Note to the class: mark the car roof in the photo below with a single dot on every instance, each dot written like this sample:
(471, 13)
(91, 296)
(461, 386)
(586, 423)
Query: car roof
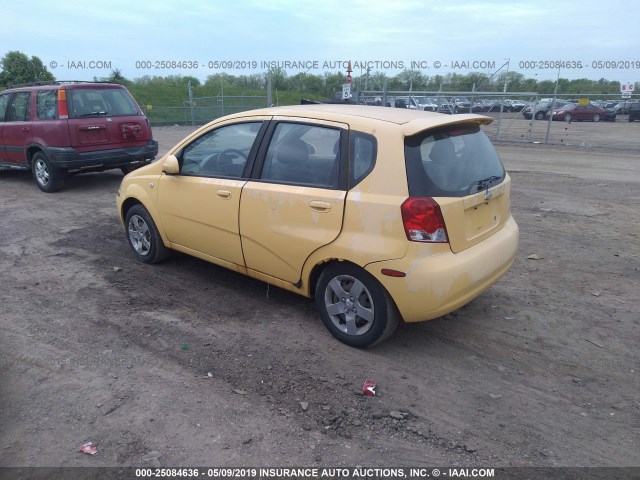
(412, 121)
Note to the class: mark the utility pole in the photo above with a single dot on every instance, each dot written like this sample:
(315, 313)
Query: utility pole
(193, 113)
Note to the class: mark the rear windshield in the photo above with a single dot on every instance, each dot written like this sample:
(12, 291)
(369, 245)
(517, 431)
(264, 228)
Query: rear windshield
(453, 162)
(111, 102)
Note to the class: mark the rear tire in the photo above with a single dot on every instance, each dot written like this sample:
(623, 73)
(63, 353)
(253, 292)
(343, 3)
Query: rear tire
(48, 178)
(596, 117)
(539, 115)
(143, 236)
(354, 306)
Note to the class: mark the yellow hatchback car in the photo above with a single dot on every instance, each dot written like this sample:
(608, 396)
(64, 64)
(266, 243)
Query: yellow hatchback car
(381, 214)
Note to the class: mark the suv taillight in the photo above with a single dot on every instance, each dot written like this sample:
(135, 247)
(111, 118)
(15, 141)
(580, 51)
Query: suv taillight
(423, 221)
(63, 110)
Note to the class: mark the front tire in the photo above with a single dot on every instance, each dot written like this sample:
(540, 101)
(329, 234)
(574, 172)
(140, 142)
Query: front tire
(539, 115)
(567, 117)
(354, 306)
(48, 178)
(596, 117)
(143, 236)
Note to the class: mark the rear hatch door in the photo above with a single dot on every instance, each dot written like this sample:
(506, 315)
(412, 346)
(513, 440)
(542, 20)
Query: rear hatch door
(105, 117)
(471, 219)
(458, 166)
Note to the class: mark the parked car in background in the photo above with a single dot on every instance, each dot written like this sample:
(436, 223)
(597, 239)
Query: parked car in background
(573, 113)
(540, 109)
(517, 105)
(506, 105)
(482, 105)
(435, 104)
(624, 107)
(460, 104)
(611, 109)
(64, 128)
(380, 214)
(634, 111)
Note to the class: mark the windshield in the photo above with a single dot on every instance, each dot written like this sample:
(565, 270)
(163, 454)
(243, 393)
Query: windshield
(454, 162)
(112, 102)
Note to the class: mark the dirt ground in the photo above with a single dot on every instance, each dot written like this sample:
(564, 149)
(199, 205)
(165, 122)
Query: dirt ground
(187, 364)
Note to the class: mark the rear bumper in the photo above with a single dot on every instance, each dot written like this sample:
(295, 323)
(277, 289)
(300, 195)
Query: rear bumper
(70, 158)
(437, 284)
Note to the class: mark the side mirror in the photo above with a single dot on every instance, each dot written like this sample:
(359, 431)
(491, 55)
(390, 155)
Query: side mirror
(170, 165)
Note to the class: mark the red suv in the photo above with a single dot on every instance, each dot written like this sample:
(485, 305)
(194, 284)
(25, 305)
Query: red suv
(64, 128)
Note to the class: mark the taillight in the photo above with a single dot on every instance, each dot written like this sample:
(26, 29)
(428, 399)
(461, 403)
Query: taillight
(63, 111)
(423, 221)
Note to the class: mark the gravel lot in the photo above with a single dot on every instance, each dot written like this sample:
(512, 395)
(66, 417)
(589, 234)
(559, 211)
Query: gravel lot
(184, 363)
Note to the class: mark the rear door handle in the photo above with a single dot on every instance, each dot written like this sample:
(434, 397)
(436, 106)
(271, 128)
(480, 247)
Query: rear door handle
(319, 206)
(224, 194)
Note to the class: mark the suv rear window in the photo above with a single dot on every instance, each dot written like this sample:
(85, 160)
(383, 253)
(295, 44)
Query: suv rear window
(90, 102)
(451, 162)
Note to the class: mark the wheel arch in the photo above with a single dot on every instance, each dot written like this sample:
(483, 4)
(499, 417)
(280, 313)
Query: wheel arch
(136, 195)
(31, 150)
(127, 204)
(317, 270)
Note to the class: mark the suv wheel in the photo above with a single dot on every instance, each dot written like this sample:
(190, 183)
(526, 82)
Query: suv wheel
(354, 307)
(539, 115)
(49, 178)
(143, 236)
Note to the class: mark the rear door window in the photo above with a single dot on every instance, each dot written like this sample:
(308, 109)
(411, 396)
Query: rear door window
(19, 108)
(454, 161)
(303, 154)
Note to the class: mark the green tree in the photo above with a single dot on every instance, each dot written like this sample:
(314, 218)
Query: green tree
(18, 68)
(332, 83)
(117, 77)
(408, 79)
(278, 78)
(515, 81)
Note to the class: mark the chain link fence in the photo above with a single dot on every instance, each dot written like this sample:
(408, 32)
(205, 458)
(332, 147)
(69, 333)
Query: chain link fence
(202, 110)
(607, 121)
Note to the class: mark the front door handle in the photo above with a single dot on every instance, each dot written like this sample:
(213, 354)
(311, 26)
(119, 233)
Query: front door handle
(224, 194)
(319, 206)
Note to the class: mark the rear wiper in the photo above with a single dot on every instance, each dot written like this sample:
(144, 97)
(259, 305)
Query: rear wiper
(93, 113)
(484, 184)
(488, 180)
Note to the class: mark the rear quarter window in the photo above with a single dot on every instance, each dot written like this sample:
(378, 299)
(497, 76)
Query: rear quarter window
(451, 162)
(4, 101)
(363, 151)
(47, 104)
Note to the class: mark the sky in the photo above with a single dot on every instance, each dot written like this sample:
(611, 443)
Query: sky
(540, 39)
